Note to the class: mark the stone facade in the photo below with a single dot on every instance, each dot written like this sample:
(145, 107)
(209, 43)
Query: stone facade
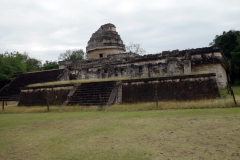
(105, 41)
(213, 68)
(131, 65)
(180, 88)
(34, 96)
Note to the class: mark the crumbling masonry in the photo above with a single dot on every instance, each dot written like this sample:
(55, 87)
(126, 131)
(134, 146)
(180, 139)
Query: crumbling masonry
(107, 60)
(206, 60)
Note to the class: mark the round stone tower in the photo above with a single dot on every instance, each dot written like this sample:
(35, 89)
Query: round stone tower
(105, 41)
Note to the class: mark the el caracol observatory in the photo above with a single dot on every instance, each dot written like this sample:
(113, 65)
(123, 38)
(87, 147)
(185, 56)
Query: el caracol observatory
(105, 41)
(173, 75)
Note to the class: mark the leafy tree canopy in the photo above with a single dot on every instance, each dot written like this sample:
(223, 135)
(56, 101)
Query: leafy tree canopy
(72, 55)
(32, 64)
(230, 44)
(11, 63)
(50, 65)
(228, 41)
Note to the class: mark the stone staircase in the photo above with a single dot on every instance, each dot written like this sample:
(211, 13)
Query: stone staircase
(88, 94)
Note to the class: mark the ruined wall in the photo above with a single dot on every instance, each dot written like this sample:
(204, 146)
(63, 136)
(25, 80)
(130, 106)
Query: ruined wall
(189, 87)
(64, 64)
(36, 96)
(106, 51)
(64, 76)
(130, 65)
(217, 68)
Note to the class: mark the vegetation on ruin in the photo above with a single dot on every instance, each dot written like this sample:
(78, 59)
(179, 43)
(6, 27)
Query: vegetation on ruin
(100, 80)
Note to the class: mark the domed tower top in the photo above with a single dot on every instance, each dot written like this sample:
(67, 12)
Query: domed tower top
(105, 41)
(108, 26)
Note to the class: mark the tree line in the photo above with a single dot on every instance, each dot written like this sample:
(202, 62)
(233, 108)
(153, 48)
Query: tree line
(13, 62)
(229, 42)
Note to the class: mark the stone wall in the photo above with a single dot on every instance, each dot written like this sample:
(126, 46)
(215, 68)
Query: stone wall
(167, 63)
(35, 96)
(104, 52)
(189, 87)
(64, 76)
(213, 68)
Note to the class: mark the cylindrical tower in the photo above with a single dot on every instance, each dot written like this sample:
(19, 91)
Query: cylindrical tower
(105, 41)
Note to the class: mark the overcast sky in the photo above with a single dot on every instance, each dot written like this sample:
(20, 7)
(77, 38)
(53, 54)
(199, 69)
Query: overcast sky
(46, 28)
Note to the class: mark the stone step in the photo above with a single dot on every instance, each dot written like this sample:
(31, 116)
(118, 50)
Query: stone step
(91, 94)
(93, 91)
(88, 93)
(95, 88)
(97, 84)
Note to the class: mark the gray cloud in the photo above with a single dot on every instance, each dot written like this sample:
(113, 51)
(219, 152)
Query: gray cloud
(47, 28)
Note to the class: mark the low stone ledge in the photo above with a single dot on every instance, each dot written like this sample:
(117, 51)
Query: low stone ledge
(50, 86)
(170, 78)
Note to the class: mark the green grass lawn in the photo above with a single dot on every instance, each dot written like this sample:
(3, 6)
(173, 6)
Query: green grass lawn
(162, 134)
(236, 90)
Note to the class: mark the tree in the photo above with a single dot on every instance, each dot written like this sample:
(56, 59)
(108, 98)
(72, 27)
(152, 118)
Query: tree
(10, 63)
(135, 48)
(72, 55)
(32, 64)
(50, 65)
(230, 44)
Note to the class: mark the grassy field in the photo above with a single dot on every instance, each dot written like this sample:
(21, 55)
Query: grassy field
(236, 90)
(165, 134)
(174, 130)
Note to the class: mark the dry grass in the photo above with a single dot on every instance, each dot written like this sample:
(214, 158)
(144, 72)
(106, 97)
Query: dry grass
(201, 104)
(225, 102)
(75, 82)
(165, 134)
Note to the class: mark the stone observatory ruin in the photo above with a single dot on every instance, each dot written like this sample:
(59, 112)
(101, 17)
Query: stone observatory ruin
(191, 74)
(105, 41)
(106, 61)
